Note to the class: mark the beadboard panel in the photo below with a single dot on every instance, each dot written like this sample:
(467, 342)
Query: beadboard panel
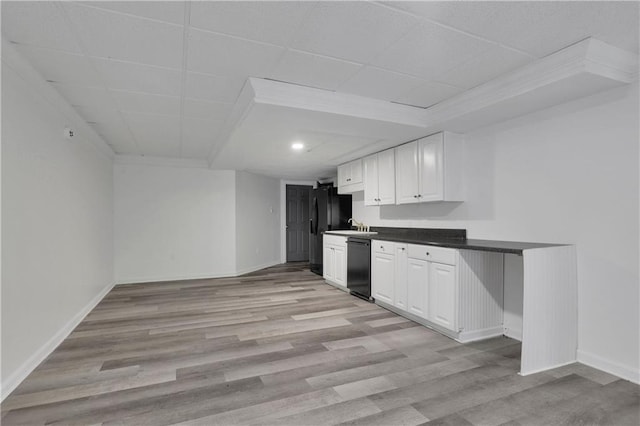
(549, 324)
(480, 289)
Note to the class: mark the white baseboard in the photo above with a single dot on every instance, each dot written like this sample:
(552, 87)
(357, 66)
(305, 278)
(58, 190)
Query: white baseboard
(513, 333)
(10, 383)
(475, 335)
(155, 279)
(257, 268)
(623, 371)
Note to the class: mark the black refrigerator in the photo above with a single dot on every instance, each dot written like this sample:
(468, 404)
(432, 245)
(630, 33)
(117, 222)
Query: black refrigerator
(329, 211)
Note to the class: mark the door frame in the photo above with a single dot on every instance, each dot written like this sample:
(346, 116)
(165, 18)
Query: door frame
(283, 213)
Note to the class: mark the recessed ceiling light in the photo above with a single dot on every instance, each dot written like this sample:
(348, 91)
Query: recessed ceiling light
(297, 146)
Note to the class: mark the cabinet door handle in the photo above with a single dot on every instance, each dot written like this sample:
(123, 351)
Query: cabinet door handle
(419, 196)
(415, 196)
(402, 248)
(427, 253)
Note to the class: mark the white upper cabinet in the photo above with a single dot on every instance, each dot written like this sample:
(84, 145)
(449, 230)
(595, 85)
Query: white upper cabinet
(350, 177)
(430, 169)
(379, 178)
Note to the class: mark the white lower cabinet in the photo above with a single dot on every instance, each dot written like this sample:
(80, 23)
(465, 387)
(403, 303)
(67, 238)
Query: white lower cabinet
(383, 271)
(334, 268)
(417, 286)
(442, 295)
(456, 292)
(401, 291)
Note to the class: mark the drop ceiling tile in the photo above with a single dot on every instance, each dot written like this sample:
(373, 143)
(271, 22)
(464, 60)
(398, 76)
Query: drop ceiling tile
(117, 136)
(213, 87)
(155, 134)
(85, 95)
(147, 103)
(61, 67)
(379, 84)
(269, 22)
(199, 137)
(114, 35)
(313, 70)
(39, 24)
(354, 31)
(139, 78)
(99, 114)
(428, 93)
(429, 50)
(538, 28)
(167, 11)
(484, 67)
(228, 56)
(214, 111)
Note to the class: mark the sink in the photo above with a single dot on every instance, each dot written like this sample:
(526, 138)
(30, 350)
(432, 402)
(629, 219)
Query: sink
(350, 232)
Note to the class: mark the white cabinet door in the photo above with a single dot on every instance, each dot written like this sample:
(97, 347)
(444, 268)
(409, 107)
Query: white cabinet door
(370, 164)
(430, 164)
(382, 277)
(407, 173)
(400, 290)
(356, 171)
(442, 295)
(386, 177)
(328, 263)
(417, 280)
(344, 174)
(340, 265)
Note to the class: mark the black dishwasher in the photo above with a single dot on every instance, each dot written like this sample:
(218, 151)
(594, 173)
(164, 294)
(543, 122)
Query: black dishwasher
(359, 267)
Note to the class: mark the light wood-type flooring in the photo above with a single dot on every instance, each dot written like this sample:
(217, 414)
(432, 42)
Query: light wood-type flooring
(281, 347)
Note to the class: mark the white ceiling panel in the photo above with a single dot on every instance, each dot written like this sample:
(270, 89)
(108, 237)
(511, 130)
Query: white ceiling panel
(380, 84)
(484, 67)
(134, 77)
(354, 31)
(313, 70)
(213, 87)
(266, 21)
(155, 134)
(114, 35)
(429, 50)
(84, 95)
(118, 136)
(147, 103)
(61, 67)
(537, 27)
(167, 11)
(229, 56)
(39, 24)
(99, 114)
(427, 93)
(198, 137)
(214, 111)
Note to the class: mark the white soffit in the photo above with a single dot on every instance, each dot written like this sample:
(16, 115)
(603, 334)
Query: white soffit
(579, 70)
(269, 115)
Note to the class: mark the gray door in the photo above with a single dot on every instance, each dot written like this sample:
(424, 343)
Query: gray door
(298, 223)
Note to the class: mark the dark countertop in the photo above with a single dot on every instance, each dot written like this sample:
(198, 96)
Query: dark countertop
(451, 238)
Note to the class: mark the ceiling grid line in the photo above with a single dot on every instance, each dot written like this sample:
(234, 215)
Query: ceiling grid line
(84, 50)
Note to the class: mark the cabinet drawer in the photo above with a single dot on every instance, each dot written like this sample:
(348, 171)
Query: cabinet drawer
(337, 240)
(383, 246)
(433, 254)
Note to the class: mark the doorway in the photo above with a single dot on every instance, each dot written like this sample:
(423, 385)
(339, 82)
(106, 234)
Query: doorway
(297, 222)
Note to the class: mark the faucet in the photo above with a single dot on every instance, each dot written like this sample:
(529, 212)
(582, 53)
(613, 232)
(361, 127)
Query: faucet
(361, 227)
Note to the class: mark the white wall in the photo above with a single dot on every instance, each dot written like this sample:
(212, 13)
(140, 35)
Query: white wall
(566, 175)
(257, 222)
(173, 223)
(57, 195)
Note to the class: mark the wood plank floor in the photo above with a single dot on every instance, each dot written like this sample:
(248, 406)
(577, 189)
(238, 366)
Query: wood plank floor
(281, 347)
